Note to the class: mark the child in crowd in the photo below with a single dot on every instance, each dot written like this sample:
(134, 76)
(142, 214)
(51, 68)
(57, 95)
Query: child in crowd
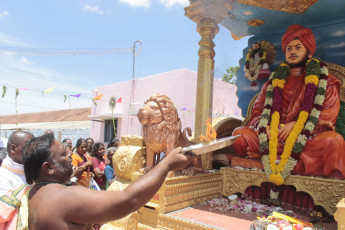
(109, 170)
(98, 164)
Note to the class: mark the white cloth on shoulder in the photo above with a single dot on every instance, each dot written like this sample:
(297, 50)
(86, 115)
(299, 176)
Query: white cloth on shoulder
(11, 175)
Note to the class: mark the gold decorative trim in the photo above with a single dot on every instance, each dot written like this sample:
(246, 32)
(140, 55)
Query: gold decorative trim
(339, 216)
(184, 191)
(339, 72)
(201, 9)
(129, 157)
(255, 22)
(175, 193)
(324, 191)
(291, 6)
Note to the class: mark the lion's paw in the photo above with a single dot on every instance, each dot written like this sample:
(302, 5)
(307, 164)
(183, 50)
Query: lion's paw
(171, 174)
(191, 171)
(145, 170)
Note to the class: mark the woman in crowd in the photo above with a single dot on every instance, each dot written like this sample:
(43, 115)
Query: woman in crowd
(109, 170)
(115, 142)
(82, 163)
(98, 164)
(89, 142)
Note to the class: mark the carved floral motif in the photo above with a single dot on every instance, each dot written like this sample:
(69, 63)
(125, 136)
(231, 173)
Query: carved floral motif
(325, 192)
(291, 6)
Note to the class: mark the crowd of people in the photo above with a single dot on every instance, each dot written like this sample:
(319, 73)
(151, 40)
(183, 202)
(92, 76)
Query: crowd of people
(91, 162)
(42, 183)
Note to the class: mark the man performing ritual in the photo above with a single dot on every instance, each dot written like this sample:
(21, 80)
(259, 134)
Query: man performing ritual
(52, 205)
(292, 122)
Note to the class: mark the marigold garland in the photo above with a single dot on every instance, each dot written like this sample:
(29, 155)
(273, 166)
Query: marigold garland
(316, 82)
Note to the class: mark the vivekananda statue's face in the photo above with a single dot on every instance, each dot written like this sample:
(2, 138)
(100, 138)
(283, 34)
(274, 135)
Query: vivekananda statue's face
(296, 54)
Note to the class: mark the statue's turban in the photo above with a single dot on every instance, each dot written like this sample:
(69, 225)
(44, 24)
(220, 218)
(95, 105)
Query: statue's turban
(305, 35)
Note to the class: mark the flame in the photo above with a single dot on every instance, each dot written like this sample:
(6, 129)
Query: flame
(211, 133)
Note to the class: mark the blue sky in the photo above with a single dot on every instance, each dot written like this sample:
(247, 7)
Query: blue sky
(169, 42)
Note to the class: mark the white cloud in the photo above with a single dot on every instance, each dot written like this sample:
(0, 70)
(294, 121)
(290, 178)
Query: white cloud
(137, 3)
(339, 45)
(20, 72)
(9, 40)
(171, 3)
(4, 14)
(339, 33)
(93, 9)
(25, 60)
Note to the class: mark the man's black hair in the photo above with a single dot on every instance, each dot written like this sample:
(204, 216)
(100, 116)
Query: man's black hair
(95, 146)
(35, 153)
(79, 142)
(66, 139)
(113, 141)
(89, 138)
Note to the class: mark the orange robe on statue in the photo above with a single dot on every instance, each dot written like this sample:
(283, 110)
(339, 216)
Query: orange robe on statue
(324, 154)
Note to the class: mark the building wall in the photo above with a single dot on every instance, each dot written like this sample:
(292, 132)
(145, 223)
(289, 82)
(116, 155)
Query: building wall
(60, 134)
(178, 85)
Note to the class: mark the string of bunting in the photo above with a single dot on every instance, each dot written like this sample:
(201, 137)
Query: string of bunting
(51, 89)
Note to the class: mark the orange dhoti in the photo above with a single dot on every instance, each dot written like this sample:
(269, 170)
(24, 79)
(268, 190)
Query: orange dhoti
(323, 155)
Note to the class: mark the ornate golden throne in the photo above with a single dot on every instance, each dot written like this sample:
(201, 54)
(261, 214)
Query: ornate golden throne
(324, 191)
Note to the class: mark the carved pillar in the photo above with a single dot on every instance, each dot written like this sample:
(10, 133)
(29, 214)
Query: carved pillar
(207, 14)
(204, 93)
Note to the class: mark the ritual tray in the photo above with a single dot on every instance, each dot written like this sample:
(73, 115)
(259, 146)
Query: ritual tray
(209, 146)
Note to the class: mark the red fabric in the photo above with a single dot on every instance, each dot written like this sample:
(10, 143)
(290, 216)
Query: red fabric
(101, 165)
(305, 35)
(323, 155)
(288, 195)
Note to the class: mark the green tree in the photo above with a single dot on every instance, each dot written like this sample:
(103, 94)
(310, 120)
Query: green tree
(231, 74)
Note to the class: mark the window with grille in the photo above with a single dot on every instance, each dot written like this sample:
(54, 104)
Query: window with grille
(109, 129)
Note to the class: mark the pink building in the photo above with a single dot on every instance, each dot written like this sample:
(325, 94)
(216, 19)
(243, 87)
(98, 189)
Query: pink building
(179, 85)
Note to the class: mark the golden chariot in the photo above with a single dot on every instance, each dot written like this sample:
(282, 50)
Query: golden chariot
(184, 191)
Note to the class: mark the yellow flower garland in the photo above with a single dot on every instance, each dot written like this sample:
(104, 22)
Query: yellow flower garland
(276, 169)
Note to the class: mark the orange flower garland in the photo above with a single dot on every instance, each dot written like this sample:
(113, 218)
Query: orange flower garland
(278, 169)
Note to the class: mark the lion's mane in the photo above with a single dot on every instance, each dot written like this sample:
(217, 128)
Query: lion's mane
(155, 135)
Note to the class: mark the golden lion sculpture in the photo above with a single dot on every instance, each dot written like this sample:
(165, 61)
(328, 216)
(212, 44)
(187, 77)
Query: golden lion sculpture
(162, 132)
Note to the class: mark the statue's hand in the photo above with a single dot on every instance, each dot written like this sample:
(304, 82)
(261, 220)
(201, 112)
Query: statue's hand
(325, 125)
(253, 155)
(268, 131)
(284, 132)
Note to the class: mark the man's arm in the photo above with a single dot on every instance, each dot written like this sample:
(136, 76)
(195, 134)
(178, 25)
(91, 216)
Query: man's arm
(85, 206)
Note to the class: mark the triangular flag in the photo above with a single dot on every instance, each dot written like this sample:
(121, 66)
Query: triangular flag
(76, 95)
(93, 100)
(17, 92)
(4, 89)
(48, 90)
(184, 109)
(98, 97)
(119, 100)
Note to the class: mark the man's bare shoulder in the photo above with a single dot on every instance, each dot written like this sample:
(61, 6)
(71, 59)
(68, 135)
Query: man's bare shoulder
(50, 204)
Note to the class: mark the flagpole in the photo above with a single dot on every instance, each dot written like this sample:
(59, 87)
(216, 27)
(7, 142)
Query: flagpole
(132, 87)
